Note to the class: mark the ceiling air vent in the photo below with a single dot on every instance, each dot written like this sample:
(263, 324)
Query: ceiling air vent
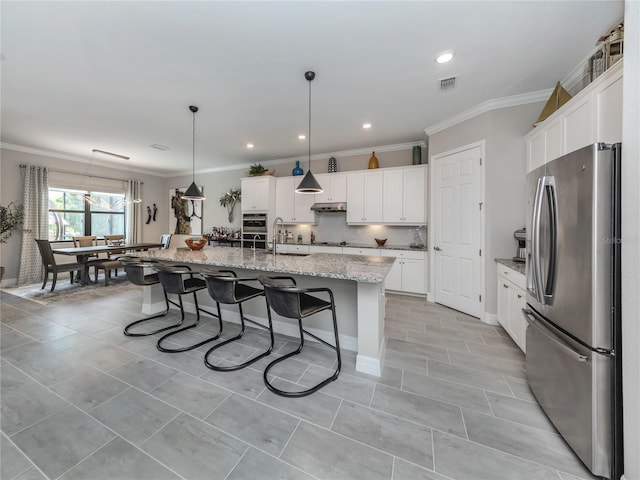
(447, 84)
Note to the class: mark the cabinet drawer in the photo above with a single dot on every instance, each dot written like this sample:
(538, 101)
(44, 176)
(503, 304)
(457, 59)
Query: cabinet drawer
(292, 248)
(510, 274)
(408, 254)
(360, 251)
(324, 249)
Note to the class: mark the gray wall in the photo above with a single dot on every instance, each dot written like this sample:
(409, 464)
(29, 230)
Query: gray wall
(505, 178)
(215, 184)
(154, 190)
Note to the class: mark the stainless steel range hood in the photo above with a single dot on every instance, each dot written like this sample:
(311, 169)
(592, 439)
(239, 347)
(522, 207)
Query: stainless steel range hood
(329, 207)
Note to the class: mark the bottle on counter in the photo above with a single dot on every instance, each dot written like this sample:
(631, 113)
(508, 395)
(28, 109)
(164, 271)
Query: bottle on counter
(313, 237)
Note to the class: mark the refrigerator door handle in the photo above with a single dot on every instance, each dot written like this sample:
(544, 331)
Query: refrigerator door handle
(530, 317)
(549, 186)
(536, 287)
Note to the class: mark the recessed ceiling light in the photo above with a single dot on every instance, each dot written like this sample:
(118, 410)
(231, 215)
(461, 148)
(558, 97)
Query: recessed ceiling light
(301, 137)
(249, 145)
(444, 57)
(366, 125)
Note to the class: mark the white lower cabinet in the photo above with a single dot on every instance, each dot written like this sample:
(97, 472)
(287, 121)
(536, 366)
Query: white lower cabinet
(511, 301)
(408, 273)
(360, 251)
(293, 248)
(324, 249)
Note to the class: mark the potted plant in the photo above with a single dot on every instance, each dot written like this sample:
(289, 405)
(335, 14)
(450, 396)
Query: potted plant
(257, 169)
(11, 218)
(229, 200)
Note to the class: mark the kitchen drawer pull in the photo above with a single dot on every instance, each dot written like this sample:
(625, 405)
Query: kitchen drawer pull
(505, 285)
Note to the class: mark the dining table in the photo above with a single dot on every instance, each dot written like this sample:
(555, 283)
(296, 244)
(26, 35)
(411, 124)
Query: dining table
(84, 253)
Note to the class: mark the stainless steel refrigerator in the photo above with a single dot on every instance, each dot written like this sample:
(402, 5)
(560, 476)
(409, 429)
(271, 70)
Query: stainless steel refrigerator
(573, 357)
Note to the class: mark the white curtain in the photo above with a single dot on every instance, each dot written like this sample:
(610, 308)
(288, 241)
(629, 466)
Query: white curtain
(36, 221)
(133, 211)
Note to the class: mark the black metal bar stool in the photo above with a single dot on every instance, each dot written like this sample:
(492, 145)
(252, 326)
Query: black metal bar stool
(179, 280)
(226, 288)
(289, 301)
(134, 268)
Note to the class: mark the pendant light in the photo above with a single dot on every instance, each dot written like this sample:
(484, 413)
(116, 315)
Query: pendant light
(193, 192)
(309, 184)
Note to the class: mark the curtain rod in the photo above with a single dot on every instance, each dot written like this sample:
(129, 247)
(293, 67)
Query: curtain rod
(81, 174)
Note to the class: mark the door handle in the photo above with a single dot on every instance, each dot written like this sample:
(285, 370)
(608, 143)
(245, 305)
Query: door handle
(535, 242)
(437, 249)
(530, 317)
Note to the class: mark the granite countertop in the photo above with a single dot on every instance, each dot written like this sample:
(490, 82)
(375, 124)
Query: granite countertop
(359, 245)
(517, 266)
(359, 268)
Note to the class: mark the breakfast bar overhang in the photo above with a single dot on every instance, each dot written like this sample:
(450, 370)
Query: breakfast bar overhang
(357, 282)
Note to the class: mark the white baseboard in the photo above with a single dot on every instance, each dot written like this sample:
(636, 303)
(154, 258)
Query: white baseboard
(490, 318)
(9, 282)
(154, 308)
(370, 365)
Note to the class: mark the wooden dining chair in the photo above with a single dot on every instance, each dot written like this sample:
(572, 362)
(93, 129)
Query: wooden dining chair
(50, 265)
(92, 260)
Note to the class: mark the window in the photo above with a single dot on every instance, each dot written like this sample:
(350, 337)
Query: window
(76, 213)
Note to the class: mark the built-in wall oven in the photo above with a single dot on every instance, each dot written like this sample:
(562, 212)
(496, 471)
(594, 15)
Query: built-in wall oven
(254, 230)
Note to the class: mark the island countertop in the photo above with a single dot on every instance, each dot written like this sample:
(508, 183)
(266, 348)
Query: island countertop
(359, 268)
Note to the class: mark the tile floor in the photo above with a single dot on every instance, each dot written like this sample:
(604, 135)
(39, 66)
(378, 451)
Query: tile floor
(82, 401)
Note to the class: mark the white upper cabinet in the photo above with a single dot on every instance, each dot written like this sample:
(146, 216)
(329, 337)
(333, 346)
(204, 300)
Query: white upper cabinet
(593, 115)
(404, 198)
(364, 197)
(291, 206)
(578, 125)
(334, 187)
(607, 104)
(258, 193)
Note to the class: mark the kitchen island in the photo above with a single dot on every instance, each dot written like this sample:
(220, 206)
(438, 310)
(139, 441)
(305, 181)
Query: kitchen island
(357, 282)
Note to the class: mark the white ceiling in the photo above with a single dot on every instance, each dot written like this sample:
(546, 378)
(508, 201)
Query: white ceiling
(119, 76)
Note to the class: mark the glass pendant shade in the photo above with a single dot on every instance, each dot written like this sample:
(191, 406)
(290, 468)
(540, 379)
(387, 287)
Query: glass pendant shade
(309, 184)
(193, 193)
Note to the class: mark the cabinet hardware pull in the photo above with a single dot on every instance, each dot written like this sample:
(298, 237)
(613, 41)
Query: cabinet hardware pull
(505, 286)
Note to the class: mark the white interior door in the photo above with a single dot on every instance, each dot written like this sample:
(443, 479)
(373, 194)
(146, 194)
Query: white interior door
(457, 230)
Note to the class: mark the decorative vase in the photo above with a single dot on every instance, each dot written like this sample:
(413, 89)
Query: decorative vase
(297, 171)
(417, 155)
(333, 165)
(373, 161)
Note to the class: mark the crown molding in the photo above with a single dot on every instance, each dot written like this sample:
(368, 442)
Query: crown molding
(231, 167)
(73, 158)
(319, 156)
(487, 106)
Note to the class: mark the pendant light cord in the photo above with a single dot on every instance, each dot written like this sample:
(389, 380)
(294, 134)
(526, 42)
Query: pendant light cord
(193, 148)
(309, 125)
